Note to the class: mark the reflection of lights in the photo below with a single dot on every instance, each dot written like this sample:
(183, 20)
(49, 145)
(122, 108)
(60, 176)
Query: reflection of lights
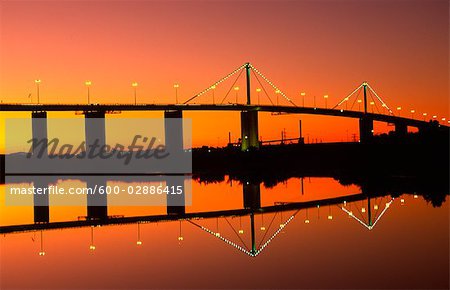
(139, 243)
(217, 234)
(402, 201)
(306, 221)
(41, 253)
(375, 207)
(263, 228)
(180, 238)
(91, 247)
(363, 209)
(241, 231)
(330, 217)
(416, 196)
(281, 225)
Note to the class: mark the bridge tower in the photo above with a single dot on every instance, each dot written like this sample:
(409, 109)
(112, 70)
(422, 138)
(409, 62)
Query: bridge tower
(365, 123)
(249, 120)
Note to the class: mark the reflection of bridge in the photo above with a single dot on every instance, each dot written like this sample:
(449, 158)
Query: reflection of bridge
(249, 110)
(268, 231)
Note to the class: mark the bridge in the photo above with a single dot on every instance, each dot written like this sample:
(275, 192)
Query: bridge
(249, 110)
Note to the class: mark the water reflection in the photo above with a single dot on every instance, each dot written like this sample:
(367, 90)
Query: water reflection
(236, 225)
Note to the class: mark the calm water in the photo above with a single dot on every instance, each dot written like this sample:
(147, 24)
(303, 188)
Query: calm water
(351, 242)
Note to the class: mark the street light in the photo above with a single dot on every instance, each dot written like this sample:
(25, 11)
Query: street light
(88, 84)
(303, 94)
(326, 98)
(213, 88)
(236, 90)
(176, 86)
(372, 104)
(399, 109)
(134, 85)
(412, 113)
(424, 116)
(258, 91)
(37, 88)
(42, 252)
(138, 241)
(359, 104)
(277, 92)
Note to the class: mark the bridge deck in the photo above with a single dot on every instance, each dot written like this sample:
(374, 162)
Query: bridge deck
(211, 107)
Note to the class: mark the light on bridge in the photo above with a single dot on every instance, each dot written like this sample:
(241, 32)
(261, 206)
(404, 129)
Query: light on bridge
(412, 113)
(38, 81)
(213, 87)
(424, 116)
(258, 91)
(134, 85)
(303, 94)
(88, 84)
(434, 117)
(399, 109)
(326, 98)
(176, 86)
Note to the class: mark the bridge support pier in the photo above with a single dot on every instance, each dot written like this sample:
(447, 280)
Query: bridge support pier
(39, 132)
(365, 130)
(249, 130)
(95, 134)
(401, 129)
(173, 131)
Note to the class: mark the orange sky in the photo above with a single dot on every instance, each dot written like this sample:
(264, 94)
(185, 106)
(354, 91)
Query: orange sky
(322, 47)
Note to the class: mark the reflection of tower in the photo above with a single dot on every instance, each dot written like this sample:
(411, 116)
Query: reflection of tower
(255, 248)
(252, 195)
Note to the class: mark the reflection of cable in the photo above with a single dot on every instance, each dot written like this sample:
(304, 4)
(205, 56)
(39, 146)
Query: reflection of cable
(242, 241)
(270, 225)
